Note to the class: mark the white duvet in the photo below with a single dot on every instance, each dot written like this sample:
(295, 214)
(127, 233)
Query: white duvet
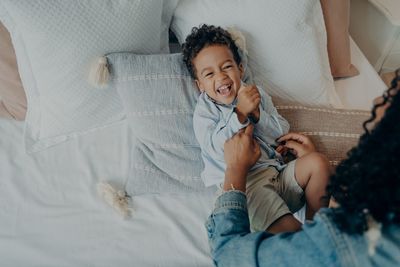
(51, 215)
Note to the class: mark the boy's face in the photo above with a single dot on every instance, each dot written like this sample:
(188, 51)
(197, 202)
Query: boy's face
(217, 73)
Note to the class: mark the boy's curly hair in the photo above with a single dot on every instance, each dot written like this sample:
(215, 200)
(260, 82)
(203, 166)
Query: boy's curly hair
(203, 36)
(368, 181)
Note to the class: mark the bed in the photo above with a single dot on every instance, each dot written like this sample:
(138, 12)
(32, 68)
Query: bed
(52, 215)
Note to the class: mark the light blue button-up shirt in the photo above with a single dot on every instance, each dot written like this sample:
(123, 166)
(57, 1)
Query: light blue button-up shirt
(214, 123)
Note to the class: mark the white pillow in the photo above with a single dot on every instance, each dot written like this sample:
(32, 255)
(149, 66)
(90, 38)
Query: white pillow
(286, 41)
(55, 42)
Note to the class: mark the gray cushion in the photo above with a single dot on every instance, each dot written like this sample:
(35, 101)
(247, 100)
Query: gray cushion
(159, 97)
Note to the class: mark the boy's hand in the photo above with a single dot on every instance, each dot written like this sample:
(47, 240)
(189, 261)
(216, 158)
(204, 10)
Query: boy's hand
(248, 102)
(255, 115)
(299, 144)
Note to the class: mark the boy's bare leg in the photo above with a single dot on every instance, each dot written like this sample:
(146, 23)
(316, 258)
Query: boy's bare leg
(312, 172)
(286, 223)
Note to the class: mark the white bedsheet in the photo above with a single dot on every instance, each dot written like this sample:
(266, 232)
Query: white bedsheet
(51, 215)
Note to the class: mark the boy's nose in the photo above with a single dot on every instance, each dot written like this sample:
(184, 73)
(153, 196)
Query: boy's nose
(221, 76)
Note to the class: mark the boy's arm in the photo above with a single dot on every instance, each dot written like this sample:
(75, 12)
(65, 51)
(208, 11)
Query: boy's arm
(212, 132)
(271, 125)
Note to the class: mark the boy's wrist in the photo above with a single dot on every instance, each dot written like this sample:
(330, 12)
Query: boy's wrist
(241, 116)
(254, 117)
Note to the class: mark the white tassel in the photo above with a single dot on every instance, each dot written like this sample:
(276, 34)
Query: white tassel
(99, 73)
(117, 199)
(373, 234)
(239, 39)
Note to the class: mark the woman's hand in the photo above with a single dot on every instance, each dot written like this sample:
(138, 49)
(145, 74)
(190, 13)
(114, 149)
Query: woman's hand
(298, 144)
(241, 152)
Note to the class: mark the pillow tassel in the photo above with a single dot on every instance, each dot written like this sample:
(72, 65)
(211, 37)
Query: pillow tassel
(99, 73)
(239, 39)
(117, 199)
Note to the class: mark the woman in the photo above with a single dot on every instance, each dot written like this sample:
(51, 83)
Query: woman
(364, 230)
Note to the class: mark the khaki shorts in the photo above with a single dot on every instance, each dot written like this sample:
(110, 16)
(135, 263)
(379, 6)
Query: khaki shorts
(272, 194)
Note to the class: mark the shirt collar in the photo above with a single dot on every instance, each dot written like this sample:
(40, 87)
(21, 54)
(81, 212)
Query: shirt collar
(232, 105)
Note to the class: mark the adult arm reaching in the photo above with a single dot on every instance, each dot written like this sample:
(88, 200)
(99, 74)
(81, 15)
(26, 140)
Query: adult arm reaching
(228, 226)
(364, 229)
(240, 152)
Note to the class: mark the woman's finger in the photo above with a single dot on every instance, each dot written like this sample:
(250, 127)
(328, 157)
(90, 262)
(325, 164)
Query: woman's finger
(249, 130)
(257, 149)
(242, 130)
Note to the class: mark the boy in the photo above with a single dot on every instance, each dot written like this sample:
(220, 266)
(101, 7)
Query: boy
(225, 106)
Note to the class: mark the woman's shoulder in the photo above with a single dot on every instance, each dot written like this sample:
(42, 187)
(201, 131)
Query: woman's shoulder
(350, 249)
(324, 219)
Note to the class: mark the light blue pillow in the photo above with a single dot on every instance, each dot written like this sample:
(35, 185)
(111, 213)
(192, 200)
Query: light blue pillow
(159, 97)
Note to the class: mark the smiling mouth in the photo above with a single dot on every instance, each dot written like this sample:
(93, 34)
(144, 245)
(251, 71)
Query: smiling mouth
(225, 89)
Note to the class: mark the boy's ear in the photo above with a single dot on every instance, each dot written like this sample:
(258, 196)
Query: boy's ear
(241, 69)
(199, 85)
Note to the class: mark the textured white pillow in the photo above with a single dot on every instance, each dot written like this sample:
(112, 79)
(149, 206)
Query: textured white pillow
(55, 42)
(286, 41)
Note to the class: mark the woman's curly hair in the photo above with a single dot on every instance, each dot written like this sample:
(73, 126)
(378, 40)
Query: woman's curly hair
(203, 36)
(368, 181)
